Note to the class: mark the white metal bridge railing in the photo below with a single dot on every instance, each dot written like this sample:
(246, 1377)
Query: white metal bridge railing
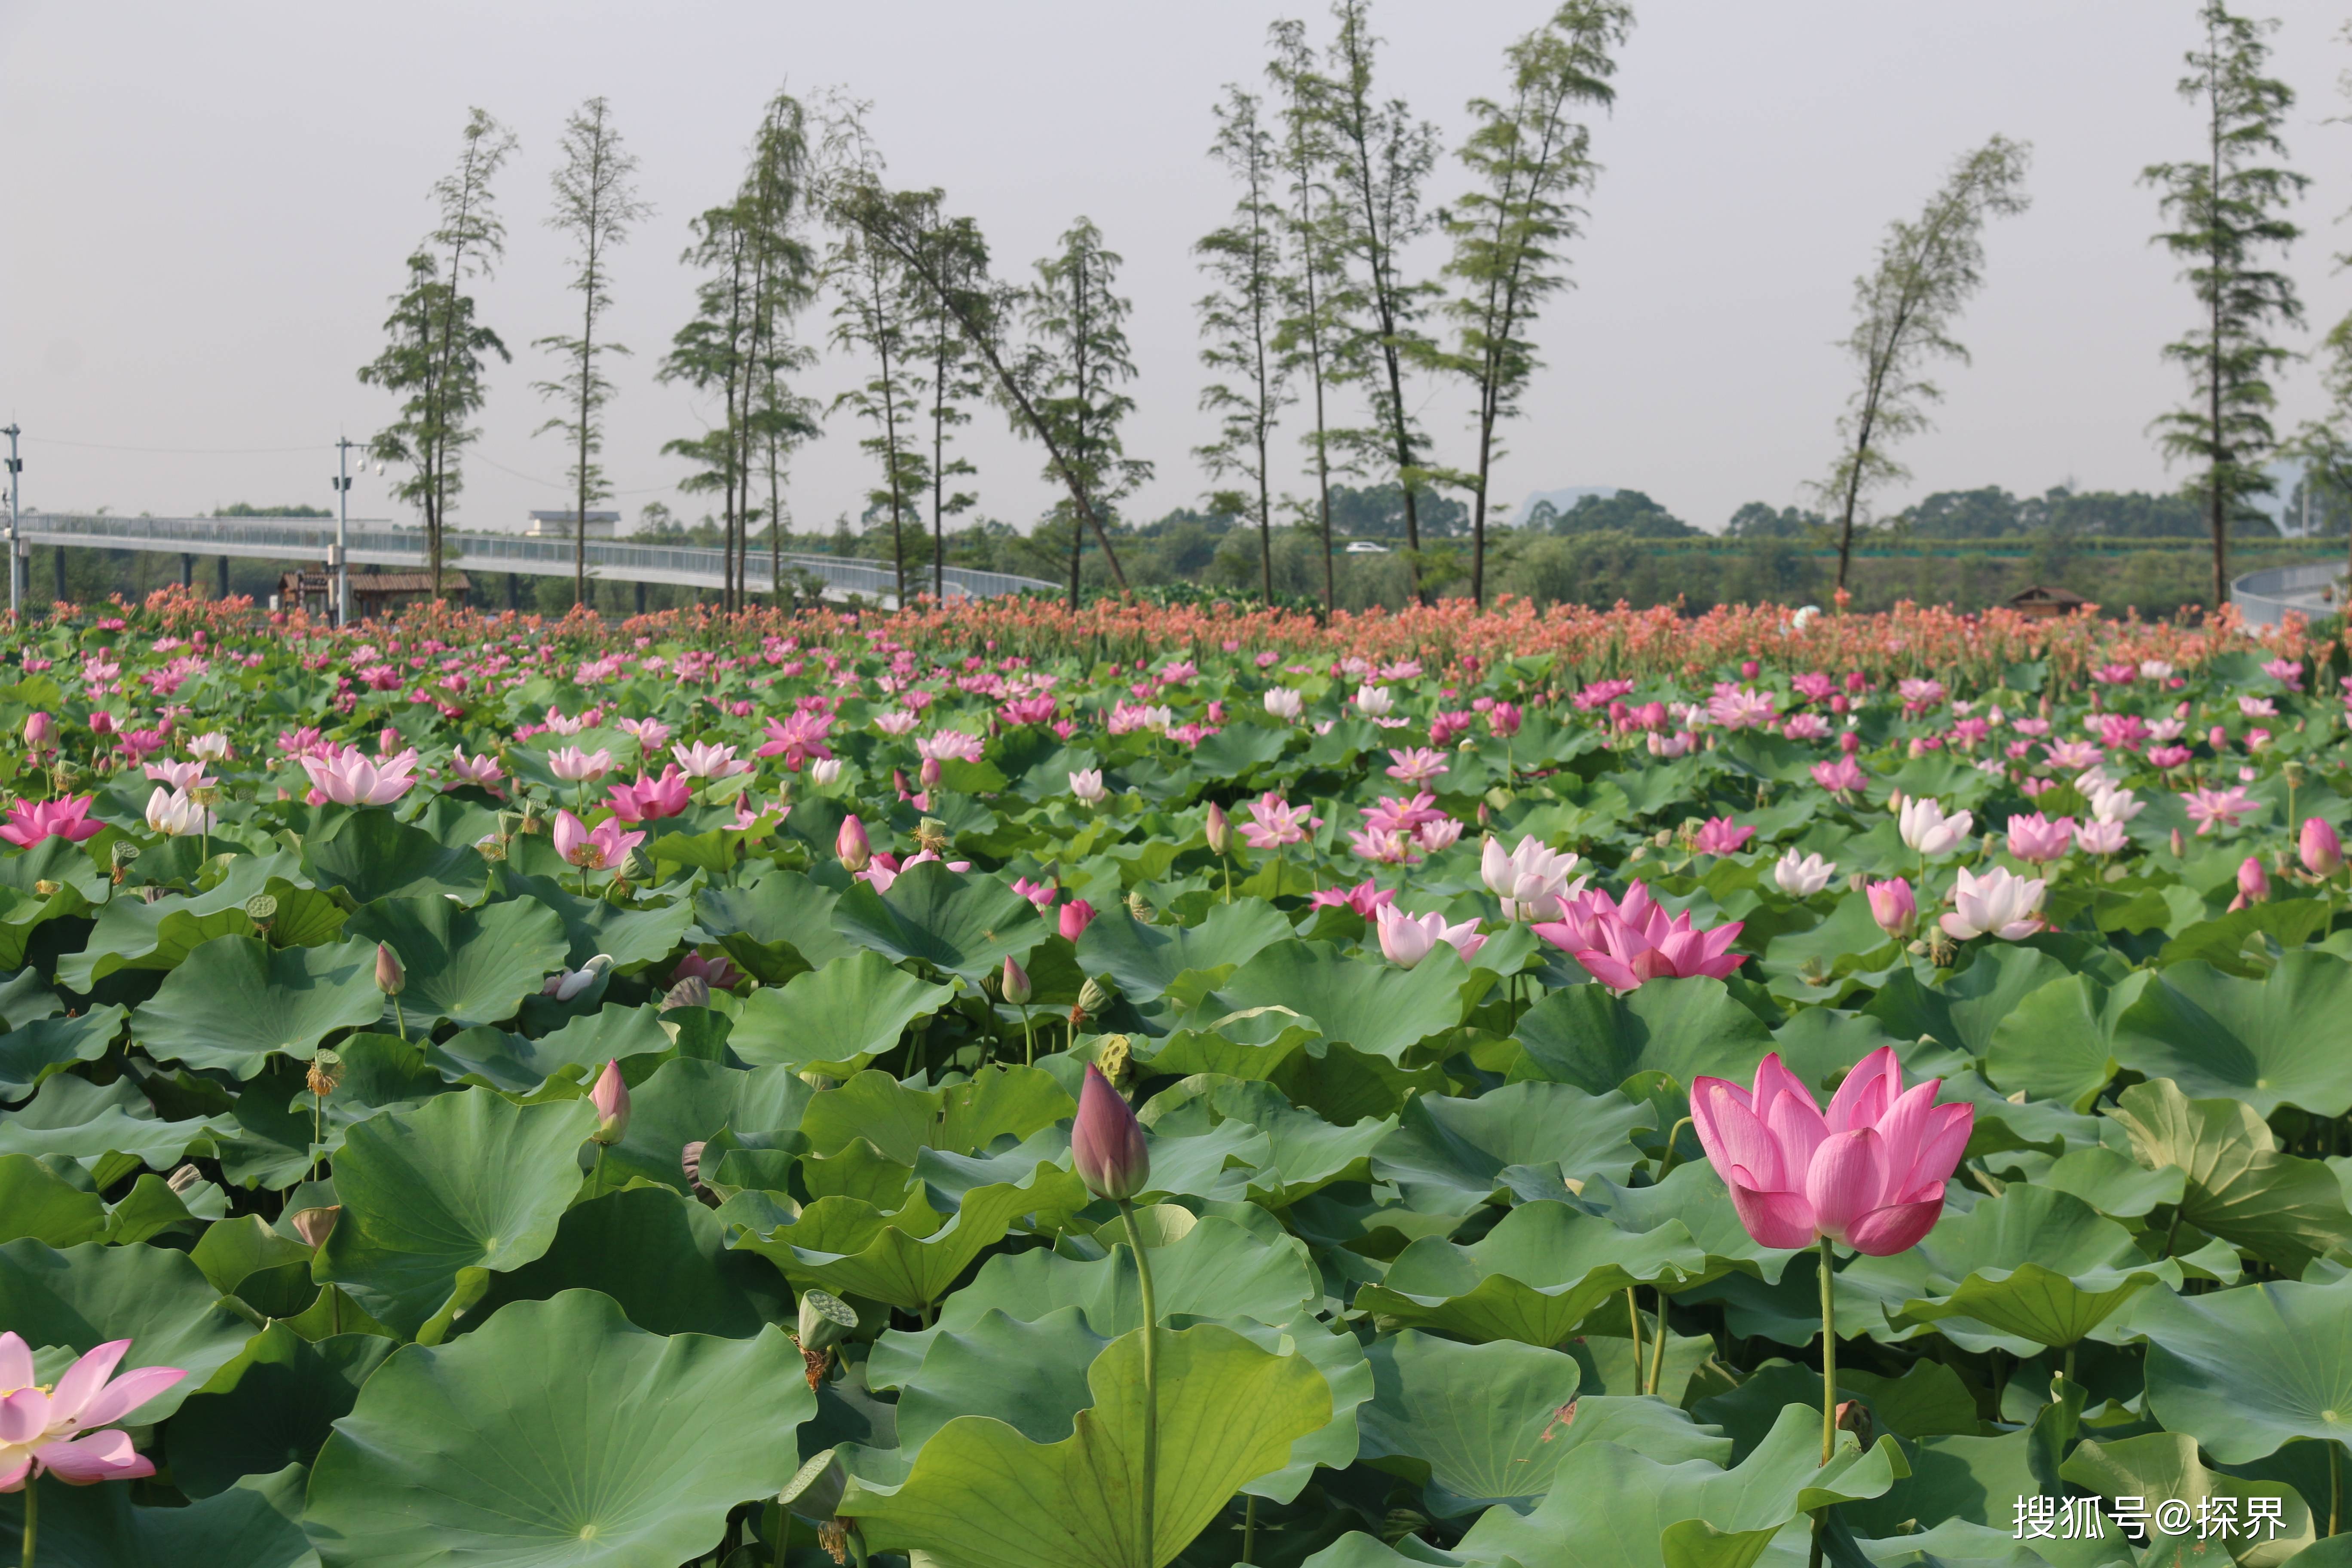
(2264, 597)
(374, 542)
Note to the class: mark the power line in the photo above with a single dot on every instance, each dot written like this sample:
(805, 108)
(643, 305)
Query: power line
(178, 451)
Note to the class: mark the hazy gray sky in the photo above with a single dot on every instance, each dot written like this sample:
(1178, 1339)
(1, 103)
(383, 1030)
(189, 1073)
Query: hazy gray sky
(208, 207)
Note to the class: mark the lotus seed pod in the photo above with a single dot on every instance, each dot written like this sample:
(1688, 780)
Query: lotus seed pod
(637, 865)
(185, 1179)
(815, 1490)
(825, 1320)
(261, 908)
(1138, 908)
(1095, 995)
(125, 852)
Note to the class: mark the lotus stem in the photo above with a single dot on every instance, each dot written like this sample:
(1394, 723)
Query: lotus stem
(2335, 1500)
(400, 1018)
(1150, 1374)
(1029, 1037)
(1634, 1322)
(31, 1512)
(1249, 1530)
(1829, 1386)
(1658, 1344)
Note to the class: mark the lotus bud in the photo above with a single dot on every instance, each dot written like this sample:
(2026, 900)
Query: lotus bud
(1220, 831)
(693, 991)
(825, 1320)
(2253, 882)
(1893, 906)
(2322, 851)
(928, 772)
(2180, 844)
(1138, 908)
(183, 1180)
(40, 730)
(314, 1226)
(1017, 989)
(1106, 1144)
(850, 844)
(101, 722)
(390, 977)
(611, 1098)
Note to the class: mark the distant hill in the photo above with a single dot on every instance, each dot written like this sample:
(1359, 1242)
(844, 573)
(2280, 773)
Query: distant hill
(1563, 501)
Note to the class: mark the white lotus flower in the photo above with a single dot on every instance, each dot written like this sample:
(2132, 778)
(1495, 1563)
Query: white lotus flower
(1286, 704)
(1926, 828)
(1998, 903)
(1801, 876)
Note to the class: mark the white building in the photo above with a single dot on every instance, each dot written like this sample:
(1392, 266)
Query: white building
(560, 524)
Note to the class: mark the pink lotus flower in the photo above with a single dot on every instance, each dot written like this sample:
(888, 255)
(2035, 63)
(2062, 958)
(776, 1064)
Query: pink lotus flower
(1074, 919)
(56, 1431)
(1721, 836)
(1406, 939)
(2167, 757)
(1625, 944)
(177, 775)
(30, 821)
(1382, 848)
(1274, 823)
(703, 761)
(1366, 898)
(949, 746)
(482, 771)
(2253, 883)
(573, 765)
(1042, 894)
(348, 778)
(1415, 764)
(1894, 907)
(650, 799)
(1503, 720)
(2101, 838)
(649, 732)
(1432, 836)
(2038, 840)
(597, 849)
(2322, 852)
(719, 973)
(799, 737)
(1870, 1173)
(2211, 808)
(1107, 1146)
(1844, 776)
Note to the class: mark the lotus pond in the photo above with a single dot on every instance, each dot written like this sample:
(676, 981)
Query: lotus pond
(821, 1091)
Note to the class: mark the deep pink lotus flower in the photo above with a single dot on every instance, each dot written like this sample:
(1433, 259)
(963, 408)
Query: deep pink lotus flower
(1075, 916)
(1844, 776)
(798, 737)
(719, 973)
(648, 800)
(348, 778)
(1870, 1173)
(2037, 839)
(30, 821)
(2322, 852)
(1625, 944)
(56, 1431)
(597, 849)
(1106, 1145)
(851, 846)
(1366, 898)
(1721, 836)
(477, 770)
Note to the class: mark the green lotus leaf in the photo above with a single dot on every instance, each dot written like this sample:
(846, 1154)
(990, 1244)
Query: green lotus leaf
(27, 997)
(2058, 1042)
(232, 1251)
(269, 1407)
(662, 1256)
(1594, 1039)
(464, 966)
(629, 934)
(1030, 1375)
(2239, 1186)
(1450, 1155)
(1381, 1010)
(2223, 942)
(966, 925)
(835, 1020)
(1609, 1507)
(1692, 1196)
(1192, 1158)
(2163, 1466)
(1928, 1401)
(37, 1202)
(687, 1101)
(237, 1001)
(1145, 960)
(251, 1525)
(1227, 1412)
(2247, 1370)
(467, 1183)
(110, 1130)
(2113, 1184)
(519, 1064)
(1964, 1008)
(2283, 1040)
(1478, 1425)
(775, 928)
(372, 854)
(1531, 1278)
(1217, 1269)
(995, 1102)
(36, 1050)
(558, 1432)
(84, 1296)
(1255, 1043)
(1302, 1153)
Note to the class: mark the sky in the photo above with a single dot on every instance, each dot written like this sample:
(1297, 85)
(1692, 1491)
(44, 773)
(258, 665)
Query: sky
(207, 208)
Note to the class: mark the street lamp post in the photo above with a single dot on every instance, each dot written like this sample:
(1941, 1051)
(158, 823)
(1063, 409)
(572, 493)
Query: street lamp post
(16, 466)
(343, 445)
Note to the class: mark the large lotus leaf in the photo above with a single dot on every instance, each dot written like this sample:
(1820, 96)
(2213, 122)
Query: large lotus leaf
(908, 1259)
(36, 1201)
(1030, 1375)
(250, 1525)
(689, 1101)
(273, 1406)
(1227, 1412)
(966, 925)
(23, 915)
(281, 1129)
(1814, 963)
(27, 997)
(1379, 1008)
(1532, 1278)
(2246, 1370)
(1191, 1158)
(1611, 1507)
(2113, 1184)
(1145, 960)
(1450, 1156)
(237, 1001)
(1965, 1007)
(2283, 1040)
(662, 1256)
(2224, 943)
(435, 1200)
(2240, 1187)
(835, 1020)
(1590, 1036)
(35, 1050)
(1302, 1153)
(629, 934)
(1255, 1043)
(372, 854)
(133, 933)
(2034, 1264)
(1217, 1269)
(1481, 1424)
(465, 967)
(1692, 1196)
(520, 1063)
(89, 1124)
(2058, 1042)
(1928, 1401)
(995, 1102)
(557, 1433)
(155, 1298)
(783, 913)
(2158, 1468)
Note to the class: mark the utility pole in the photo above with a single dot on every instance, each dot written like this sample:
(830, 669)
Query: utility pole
(343, 445)
(16, 466)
